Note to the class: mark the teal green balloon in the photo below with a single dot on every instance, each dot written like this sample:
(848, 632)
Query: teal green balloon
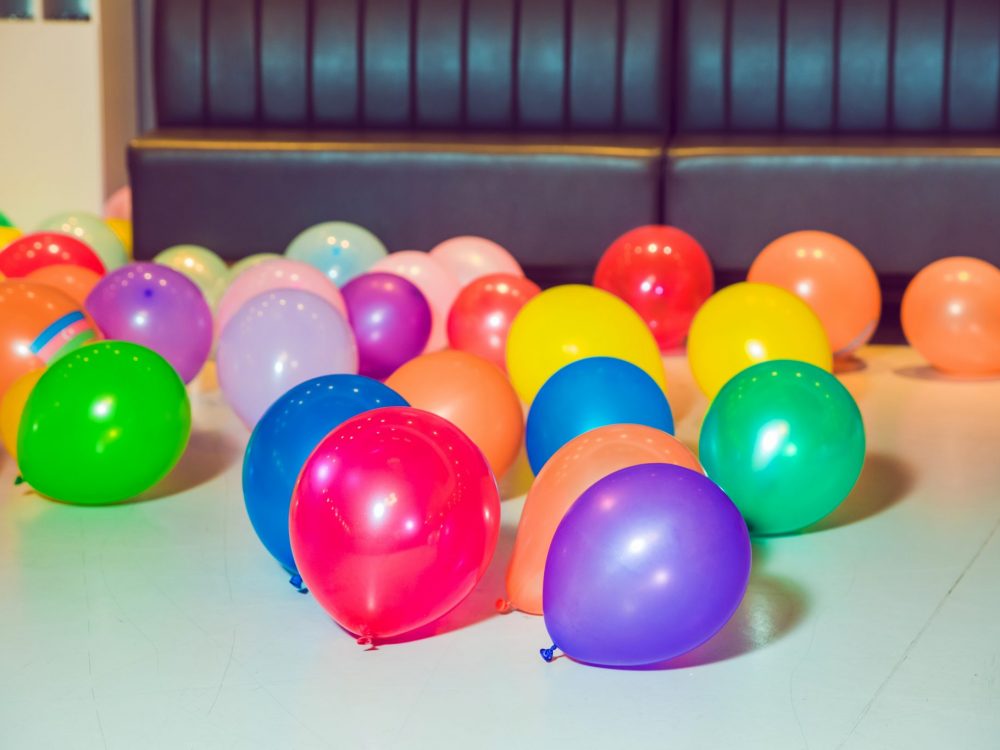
(785, 440)
(103, 424)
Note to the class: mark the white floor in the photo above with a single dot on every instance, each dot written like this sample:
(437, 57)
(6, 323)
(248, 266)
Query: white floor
(164, 624)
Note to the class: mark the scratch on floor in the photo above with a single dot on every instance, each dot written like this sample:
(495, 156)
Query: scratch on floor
(920, 633)
(222, 680)
(97, 712)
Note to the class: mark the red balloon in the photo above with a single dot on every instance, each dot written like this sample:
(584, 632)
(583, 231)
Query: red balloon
(481, 315)
(41, 249)
(394, 519)
(663, 273)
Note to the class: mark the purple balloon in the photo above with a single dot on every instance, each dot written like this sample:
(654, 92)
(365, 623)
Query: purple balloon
(277, 340)
(157, 307)
(391, 321)
(647, 564)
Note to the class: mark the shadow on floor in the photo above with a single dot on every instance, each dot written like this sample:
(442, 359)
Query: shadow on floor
(208, 455)
(926, 372)
(847, 365)
(885, 480)
(480, 605)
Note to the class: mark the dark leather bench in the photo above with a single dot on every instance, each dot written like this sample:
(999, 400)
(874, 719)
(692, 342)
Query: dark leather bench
(552, 126)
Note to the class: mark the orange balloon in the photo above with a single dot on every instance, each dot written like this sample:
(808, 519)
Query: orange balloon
(572, 470)
(831, 276)
(951, 315)
(12, 407)
(37, 325)
(470, 392)
(74, 281)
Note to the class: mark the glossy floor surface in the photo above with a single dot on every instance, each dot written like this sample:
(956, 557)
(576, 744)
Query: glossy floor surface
(164, 624)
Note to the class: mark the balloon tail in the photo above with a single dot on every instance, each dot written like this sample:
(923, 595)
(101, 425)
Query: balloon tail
(296, 581)
(548, 653)
(367, 640)
(504, 606)
(18, 480)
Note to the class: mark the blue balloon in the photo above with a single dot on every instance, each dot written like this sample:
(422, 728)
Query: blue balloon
(285, 437)
(588, 394)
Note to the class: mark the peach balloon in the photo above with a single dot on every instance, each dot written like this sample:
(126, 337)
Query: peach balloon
(831, 276)
(73, 281)
(281, 273)
(438, 284)
(470, 392)
(469, 258)
(951, 315)
(571, 471)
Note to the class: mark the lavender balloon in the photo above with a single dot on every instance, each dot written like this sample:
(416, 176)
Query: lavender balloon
(277, 340)
(648, 563)
(159, 308)
(391, 321)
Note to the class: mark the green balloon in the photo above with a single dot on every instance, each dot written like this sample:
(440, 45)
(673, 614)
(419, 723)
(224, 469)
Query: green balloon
(104, 423)
(91, 230)
(785, 440)
(4, 221)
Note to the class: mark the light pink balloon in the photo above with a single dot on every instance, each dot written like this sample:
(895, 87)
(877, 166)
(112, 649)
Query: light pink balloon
(439, 285)
(280, 273)
(119, 205)
(469, 258)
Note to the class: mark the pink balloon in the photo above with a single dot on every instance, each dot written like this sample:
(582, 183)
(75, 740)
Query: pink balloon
(469, 258)
(439, 285)
(119, 205)
(276, 274)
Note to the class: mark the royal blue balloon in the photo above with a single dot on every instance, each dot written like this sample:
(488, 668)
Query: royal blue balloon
(588, 394)
(285, 437)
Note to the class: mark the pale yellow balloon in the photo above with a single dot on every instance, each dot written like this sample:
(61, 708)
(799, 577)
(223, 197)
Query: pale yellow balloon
(567, 323)
(249, 262)
(201, 265)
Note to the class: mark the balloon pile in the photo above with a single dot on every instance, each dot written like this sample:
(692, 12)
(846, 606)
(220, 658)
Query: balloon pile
(387, 392)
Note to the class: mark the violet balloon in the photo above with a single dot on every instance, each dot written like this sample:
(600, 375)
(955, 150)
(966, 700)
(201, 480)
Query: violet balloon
(391, 320)
(156, 307)
(276, 341)
(648, 563)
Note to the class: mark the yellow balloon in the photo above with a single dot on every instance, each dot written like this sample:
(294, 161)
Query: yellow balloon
(748, 323)
(12, 406)
(123, 231)
(567, 323)
(206, 269)
(8, 235)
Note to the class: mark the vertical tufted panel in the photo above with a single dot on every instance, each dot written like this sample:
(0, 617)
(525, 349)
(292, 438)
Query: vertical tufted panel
(702, 65)
(810, 36)
(647, 39)
(231, 52)
(490, 50)
(755, 60)
(178, 62)
(918, 101)
(284, 62)
(865, 50)
(386, 98)
(541, 64)
(595, 75)
(336, 63)
(974, 66)
(440, 61)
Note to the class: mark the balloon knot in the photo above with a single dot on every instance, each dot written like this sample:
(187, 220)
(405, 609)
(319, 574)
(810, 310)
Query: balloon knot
(548, 653)
(296, 581)
(18, 480)
(504, 606)
(366, 640)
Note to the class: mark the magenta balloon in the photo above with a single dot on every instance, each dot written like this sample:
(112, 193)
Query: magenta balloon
(276, 341)
(159, 308)
(391, 321)
(648, 563)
